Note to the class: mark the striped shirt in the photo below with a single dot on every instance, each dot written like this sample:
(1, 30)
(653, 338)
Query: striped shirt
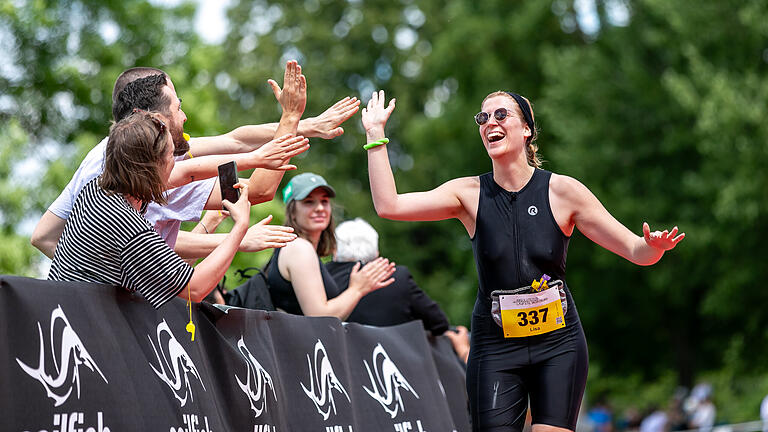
(107, 241)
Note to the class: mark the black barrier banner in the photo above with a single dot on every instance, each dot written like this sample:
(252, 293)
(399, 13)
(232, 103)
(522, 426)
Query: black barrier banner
(81, 357)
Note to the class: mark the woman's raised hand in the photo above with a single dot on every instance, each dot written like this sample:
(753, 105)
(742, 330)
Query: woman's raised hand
(375, 115)
(240, 212)
(663, 240)
(374, 275)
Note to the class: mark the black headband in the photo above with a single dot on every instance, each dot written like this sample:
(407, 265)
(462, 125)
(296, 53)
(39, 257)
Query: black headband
(526, 110)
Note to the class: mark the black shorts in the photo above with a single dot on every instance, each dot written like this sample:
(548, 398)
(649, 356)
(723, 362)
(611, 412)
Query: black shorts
(551, 372)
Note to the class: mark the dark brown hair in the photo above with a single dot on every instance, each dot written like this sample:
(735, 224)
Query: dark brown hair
(531, 149)
(134, 156)
(133, 74)
(327, 244)
(143, 93)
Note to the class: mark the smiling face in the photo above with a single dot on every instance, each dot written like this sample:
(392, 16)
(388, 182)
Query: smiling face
(313, 213)
(501, 137)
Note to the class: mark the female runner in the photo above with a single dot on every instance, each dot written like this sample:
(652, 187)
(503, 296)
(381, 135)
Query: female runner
(520, 219)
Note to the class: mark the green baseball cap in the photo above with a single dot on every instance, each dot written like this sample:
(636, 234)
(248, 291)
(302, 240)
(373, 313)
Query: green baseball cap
(303, 184)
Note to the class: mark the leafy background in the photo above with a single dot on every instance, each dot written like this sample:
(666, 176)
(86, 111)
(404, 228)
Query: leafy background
(657, 106)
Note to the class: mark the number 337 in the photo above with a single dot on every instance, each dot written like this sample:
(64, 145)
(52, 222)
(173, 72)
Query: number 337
(532, 317)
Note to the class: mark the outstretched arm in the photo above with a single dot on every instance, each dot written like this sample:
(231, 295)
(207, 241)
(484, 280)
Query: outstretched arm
(210, 270)
(271, 156)
(452, 199)
(259, 236)
(573, 203)
(250, 137)
(293, 100)
(299, 264)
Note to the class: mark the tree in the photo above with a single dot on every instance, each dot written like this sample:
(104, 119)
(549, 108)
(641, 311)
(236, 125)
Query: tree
(665, 121)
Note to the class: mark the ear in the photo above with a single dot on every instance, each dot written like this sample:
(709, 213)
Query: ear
(527, 132)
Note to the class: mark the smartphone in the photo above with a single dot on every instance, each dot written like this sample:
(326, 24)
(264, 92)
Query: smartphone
(227, 179)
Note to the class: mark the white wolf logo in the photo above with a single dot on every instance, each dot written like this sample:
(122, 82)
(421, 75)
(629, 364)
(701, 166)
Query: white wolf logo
(178, 365)
(322, 376)
(389, 380)
(72, 349)
(261, 378)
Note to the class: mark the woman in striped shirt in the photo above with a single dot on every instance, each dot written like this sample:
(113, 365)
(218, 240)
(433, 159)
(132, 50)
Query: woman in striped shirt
(107, 239)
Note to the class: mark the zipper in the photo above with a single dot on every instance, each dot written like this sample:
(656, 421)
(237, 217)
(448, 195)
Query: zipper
(516, 231)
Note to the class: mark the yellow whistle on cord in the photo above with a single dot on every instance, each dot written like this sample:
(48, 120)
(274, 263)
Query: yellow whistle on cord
(186, 136)
(191, 329)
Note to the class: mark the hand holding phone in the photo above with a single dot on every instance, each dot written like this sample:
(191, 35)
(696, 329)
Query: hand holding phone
(227, 180)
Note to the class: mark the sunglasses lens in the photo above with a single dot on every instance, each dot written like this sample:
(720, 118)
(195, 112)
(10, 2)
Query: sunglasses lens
(481, 118)
(500, 114)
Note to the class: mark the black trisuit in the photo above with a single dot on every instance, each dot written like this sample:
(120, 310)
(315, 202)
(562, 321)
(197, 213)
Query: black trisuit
(517, 241)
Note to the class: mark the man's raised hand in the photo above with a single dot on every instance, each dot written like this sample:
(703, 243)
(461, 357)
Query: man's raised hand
(293, 96)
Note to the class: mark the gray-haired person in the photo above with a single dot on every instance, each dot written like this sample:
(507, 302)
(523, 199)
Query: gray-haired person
(400, 302)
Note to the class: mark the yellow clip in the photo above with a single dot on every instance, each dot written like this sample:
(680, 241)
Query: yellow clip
(539, 285)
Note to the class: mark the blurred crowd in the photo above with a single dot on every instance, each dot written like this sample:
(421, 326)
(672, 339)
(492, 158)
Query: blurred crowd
(686, 410)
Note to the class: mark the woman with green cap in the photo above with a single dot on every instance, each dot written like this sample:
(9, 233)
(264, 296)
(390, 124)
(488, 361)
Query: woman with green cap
(298, 281)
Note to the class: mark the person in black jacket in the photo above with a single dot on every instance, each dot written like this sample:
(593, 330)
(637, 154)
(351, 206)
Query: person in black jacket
(401, 302)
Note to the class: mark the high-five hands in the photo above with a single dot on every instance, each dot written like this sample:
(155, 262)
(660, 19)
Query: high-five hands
(327, 124)
(262, 236)
(293, 95)
(275, 154)
(375, 115)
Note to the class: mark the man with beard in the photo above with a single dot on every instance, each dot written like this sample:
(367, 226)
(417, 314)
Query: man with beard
(151, 89)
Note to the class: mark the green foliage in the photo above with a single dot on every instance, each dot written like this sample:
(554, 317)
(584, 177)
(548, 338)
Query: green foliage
(662, 118)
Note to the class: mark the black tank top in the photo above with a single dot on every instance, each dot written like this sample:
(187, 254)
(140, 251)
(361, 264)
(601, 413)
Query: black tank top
(281, 290)
(516, 241)
(516, 236)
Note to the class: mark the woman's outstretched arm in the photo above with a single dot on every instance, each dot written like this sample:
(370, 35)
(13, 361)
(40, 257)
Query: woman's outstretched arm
(574, 204)
(452, 199)
(299, 264)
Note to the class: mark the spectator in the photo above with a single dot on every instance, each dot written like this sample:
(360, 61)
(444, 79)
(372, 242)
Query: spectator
(216, 296)
(656, 421)
(460, 340)
(677, 419)
(630, 420)
(108, 240)
(152, 89)
(298, 281)
(600, 417)
(703, 416)
(402, 301)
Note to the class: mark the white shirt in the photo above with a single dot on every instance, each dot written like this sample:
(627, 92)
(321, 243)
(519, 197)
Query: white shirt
(185, 203)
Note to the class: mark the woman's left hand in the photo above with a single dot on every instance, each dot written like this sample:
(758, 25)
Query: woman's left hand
(663, 240)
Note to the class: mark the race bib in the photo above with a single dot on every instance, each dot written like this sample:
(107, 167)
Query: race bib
(525, 315)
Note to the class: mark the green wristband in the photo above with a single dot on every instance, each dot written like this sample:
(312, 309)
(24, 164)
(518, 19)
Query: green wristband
(377, 143)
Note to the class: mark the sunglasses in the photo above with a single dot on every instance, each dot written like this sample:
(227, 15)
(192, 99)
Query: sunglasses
(161, 128)
(500, 114)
